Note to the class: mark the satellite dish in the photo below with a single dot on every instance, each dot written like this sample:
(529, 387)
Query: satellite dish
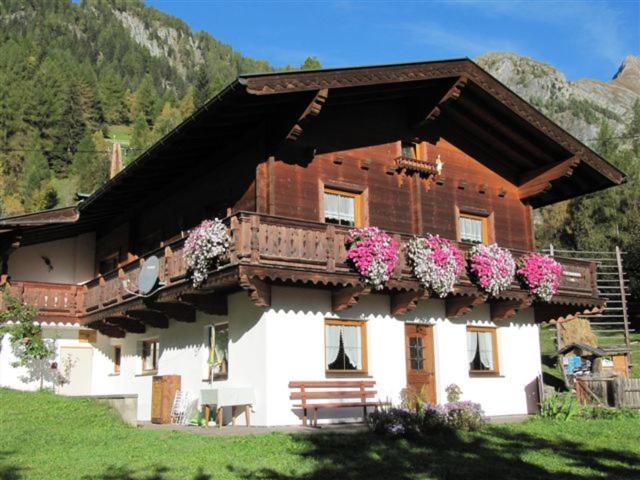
(148, 278)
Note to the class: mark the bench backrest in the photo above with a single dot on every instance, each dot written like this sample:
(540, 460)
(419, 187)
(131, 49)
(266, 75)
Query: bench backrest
(332, 389)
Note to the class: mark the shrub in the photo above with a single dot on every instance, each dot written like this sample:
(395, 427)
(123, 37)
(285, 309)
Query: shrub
(559, 407)
(396, 422)
(464, 415)
(432, 418)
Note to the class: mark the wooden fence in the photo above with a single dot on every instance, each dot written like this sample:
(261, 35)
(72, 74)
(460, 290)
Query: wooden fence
(609, 391)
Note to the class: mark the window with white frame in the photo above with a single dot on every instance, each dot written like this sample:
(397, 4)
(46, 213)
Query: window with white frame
(341, 208)
(473, 229)
(482, 347)
(345, 346)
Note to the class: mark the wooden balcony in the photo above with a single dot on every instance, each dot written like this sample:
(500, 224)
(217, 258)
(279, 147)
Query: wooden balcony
(267, 249)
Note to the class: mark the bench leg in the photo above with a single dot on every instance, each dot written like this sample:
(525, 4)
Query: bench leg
(207, 415)
(220, 412)
(364, 413)
(247, 414)
(304, 417)
(315, 417)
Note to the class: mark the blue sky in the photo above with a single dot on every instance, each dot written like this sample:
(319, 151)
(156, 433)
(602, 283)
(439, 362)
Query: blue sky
(581, 38)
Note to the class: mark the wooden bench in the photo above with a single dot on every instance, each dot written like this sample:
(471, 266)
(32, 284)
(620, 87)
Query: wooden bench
(340, 390)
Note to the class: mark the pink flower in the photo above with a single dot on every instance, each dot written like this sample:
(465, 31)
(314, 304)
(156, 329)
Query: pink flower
(491, 267)
(541, 274)
(373, 253)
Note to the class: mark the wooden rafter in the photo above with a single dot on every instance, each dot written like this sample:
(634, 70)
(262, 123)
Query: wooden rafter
(459, 305)
(502, 309)
(107, 329)
(312, 111)
(404, 302)
(182, 312)
(346, 297)
(213, 303)
(128, 324)
(550, 312)
(540, 180)
(152, 318)
(451, 95)
(259, 291)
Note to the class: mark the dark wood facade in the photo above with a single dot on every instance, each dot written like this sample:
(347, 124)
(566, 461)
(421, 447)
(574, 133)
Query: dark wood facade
(262, 155)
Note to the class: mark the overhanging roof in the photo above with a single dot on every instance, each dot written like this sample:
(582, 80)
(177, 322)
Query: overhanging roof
(488, 119)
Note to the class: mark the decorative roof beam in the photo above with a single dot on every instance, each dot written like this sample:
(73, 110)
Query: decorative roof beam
(259, 291)
(128, 324)
(347, 297)
(503, 309)
(310, 113)
(404, 302)
(152, 318)
(459, 305)
(538, 181)
(182, 312)
(453, 94)
(213, 303)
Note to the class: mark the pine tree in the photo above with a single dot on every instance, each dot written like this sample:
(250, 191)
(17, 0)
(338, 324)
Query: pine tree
(168, 119)
(202, 86)
(36, 171)
(311, 63)
(89, 165)
(147, 100)
(140, 139)
(112, 98)
(186, 104)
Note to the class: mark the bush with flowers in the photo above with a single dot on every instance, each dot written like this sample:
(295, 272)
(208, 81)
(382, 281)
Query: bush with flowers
(436, 262)
(373, 253)
(204, 247)
(491, 267)
(540, 274)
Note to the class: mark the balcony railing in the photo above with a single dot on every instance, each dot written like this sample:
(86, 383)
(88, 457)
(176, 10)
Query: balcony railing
(308, 249)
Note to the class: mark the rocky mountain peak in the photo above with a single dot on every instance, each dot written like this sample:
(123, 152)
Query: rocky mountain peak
(628, 75)
(579, 106)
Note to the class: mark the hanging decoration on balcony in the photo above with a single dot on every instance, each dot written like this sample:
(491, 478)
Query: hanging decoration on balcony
(540, 274)
(373, 253)
(204, 247)
(491, 267)
(436, 262)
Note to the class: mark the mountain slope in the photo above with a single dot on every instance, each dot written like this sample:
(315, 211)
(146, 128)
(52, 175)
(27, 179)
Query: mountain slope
(579, 106)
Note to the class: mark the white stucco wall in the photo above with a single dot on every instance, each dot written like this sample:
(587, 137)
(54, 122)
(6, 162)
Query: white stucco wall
(270, 347)
(22, 378)
(73, 261)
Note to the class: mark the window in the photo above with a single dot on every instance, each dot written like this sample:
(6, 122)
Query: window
(342, 208)
(416, 353)
(150, 355)
(345, 346)
(482, 349)
(117, 357)
(410, 150)
(218, 346)
(473, 228)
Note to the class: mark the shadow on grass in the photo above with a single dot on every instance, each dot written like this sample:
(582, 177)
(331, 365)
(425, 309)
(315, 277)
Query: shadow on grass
(498, 454)
(9, 472)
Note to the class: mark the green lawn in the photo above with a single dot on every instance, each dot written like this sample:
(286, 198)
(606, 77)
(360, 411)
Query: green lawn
(43, 436)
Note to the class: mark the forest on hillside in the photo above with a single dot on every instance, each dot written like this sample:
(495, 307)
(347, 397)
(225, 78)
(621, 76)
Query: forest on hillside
(73, 80)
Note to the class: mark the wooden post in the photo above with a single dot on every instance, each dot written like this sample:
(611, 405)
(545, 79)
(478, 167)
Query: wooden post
(207, 415)
(247, 414)
(219, 415)
(625, 317)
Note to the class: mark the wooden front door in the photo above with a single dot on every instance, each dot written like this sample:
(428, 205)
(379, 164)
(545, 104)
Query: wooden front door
(421, 372)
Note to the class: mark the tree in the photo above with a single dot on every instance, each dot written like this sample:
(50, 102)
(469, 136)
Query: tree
(168, 119)
(311, 63)
(36, 171)
(186, 104)
(30, 348)
(147, 100)
(112, 98)
(90, 166)
(140, 139)
(202, 86)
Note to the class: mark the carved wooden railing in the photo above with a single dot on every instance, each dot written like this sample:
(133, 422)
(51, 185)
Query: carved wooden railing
(275, 243)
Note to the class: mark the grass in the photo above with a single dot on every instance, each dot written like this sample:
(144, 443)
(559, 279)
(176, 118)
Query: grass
(43, 436)
(121, 133)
